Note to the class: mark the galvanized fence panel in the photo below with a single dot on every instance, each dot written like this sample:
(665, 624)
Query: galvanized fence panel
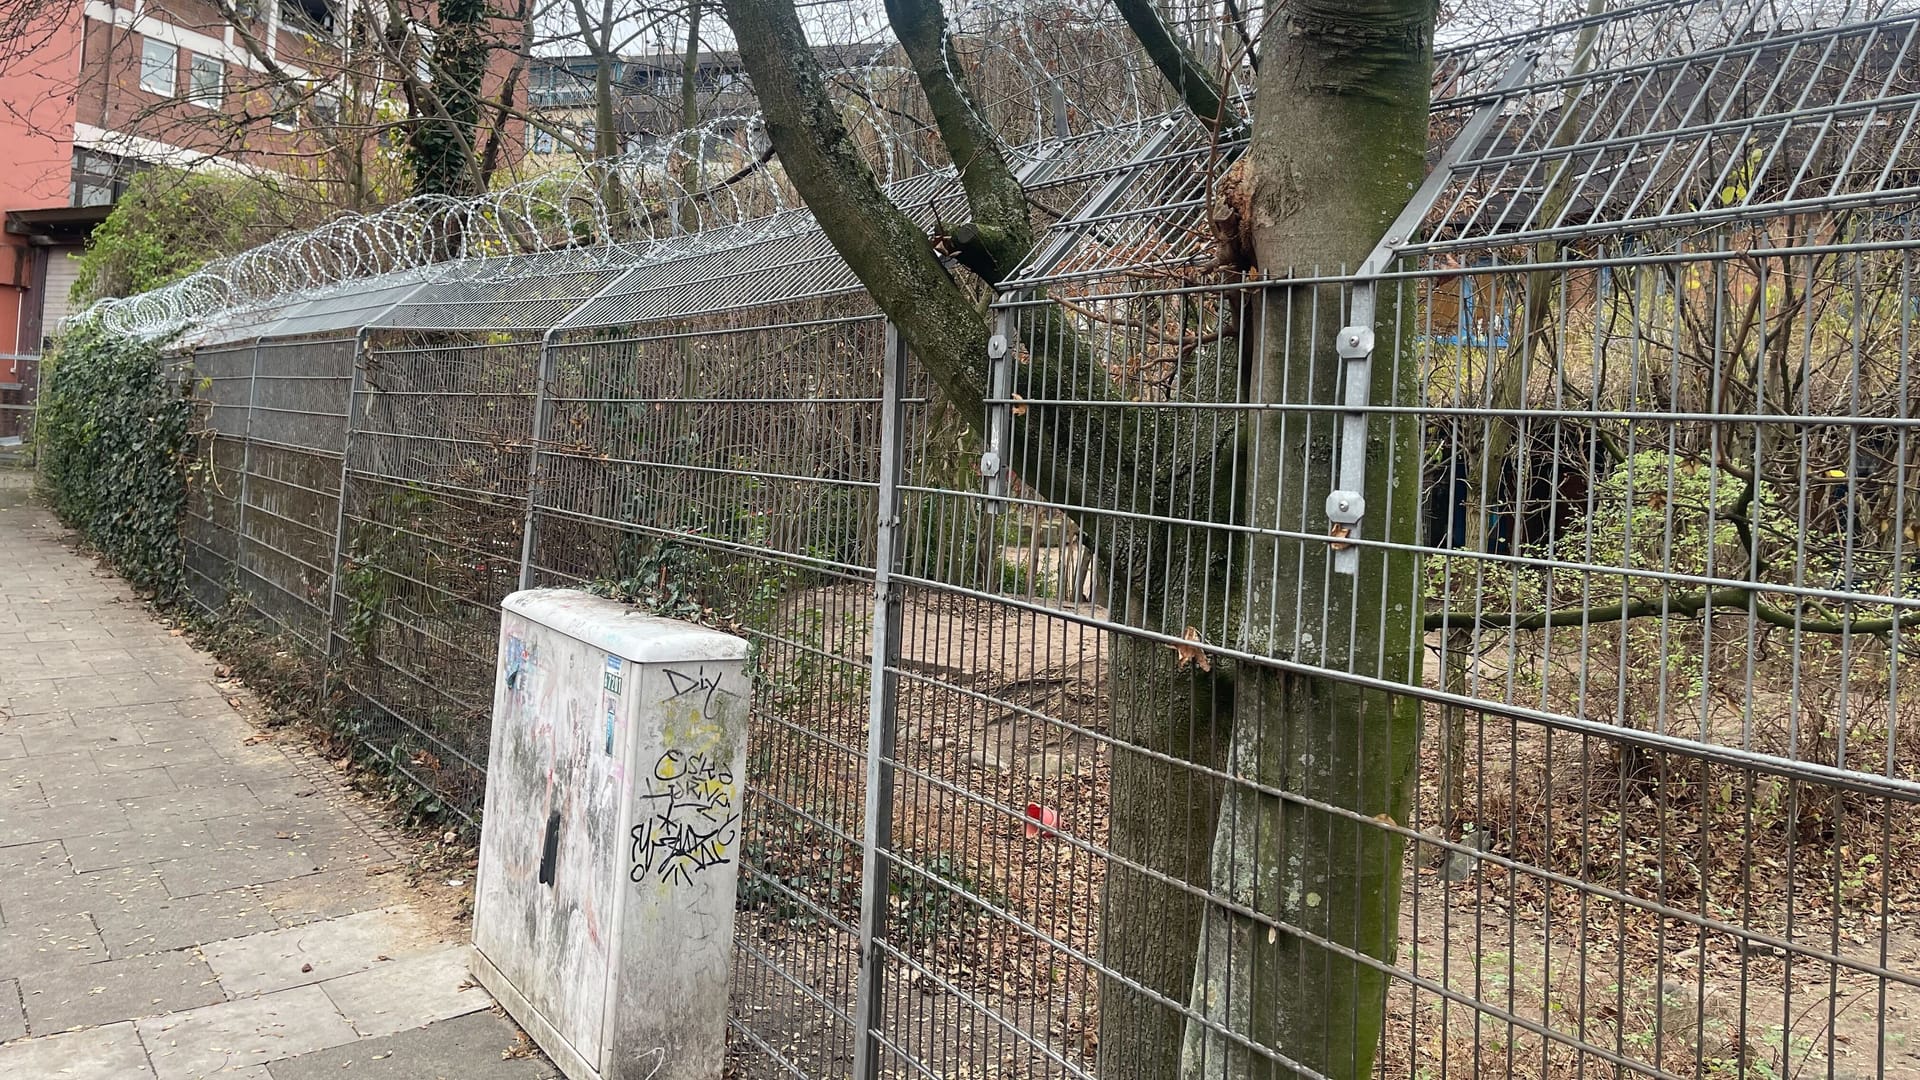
(724, 467)
(295, 435)
(210, 528)
(438, 461)
(1586, 498)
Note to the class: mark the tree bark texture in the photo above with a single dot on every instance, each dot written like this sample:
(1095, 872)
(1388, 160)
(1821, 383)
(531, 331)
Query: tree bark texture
(1306, 881)
(442, 147)
(1160, 827)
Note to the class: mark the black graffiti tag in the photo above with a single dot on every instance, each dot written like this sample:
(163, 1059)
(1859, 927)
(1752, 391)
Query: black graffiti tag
(699, 682)
(689, 822)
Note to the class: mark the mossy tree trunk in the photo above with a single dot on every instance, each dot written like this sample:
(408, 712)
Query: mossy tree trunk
(442, 149)
(1164, 718)
(1288, 977)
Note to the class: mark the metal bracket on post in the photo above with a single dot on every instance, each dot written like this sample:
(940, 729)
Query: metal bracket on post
(993, 463)
(1347, 502)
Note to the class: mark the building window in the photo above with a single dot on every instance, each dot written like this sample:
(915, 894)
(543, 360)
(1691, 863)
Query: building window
(99, 179)
(159, 63)
(206, 81)
(286, 110)
(539, 140)
(313, 18)
(323, 110)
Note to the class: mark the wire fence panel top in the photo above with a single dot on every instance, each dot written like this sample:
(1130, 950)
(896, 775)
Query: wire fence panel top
(1775, 121)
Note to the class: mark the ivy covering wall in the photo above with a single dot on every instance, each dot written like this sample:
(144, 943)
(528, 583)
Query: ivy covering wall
(111, 435)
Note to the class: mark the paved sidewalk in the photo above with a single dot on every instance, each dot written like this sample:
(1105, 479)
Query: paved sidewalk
(181, 897)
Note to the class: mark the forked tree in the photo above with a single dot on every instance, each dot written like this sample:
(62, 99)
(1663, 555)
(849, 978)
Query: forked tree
(1279, 968)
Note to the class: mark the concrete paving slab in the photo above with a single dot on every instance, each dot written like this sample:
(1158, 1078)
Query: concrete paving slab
(148, 919)
(276, 770)
(41, 857)
(17, 721)
(153, 843)
(60, 822)
(28, 945)
(158, 712)
(185, 750)
(194, 801)
(53, 895)
(309, 824)
(65, 789)
(145, 689)
(20, 793)
(296, 956)
(73, 759)
(241, 1034)
(13, 1015)
(218, 871)
(409, 992)
(56, 738)
(115, 990)
(472, 1047)
(283, 792)
(326, 895)
(103, 1053)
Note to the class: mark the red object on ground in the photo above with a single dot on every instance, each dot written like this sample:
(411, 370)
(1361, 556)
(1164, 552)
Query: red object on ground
(1040, 820)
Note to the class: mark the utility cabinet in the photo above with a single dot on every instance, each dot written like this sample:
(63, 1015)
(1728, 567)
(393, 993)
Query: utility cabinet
(610, 846)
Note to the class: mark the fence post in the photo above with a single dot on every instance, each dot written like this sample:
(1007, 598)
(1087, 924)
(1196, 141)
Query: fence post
(538, 432)
(246, 470)
(883, 693)
(354, 385)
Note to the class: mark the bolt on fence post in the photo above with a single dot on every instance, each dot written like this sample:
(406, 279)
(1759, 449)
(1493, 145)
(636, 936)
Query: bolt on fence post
(883, 693)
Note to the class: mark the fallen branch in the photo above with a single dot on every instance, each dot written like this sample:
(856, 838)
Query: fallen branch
(1683, 604)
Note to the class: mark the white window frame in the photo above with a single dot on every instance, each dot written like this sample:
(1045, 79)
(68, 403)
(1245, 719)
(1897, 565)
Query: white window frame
(151, 66)
(283, 107)
(540, 140)
(328, 105)
(197, 63)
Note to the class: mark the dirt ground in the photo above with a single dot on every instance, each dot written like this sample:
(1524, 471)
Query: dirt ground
(1512, 972)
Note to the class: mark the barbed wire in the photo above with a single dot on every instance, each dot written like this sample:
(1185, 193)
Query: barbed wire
(1044, 67)
(1042, 72)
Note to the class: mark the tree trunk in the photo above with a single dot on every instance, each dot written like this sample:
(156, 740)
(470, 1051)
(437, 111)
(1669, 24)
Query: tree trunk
(606, 145)
(691, 147)
(1161, 818)
(441, 147)
(1308, 880)
(1345, 147)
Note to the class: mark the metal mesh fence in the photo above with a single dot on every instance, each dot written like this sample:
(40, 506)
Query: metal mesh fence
(723, 466)
(1599, 533)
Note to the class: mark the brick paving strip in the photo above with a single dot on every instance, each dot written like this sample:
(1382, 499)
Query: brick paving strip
(180, 898)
